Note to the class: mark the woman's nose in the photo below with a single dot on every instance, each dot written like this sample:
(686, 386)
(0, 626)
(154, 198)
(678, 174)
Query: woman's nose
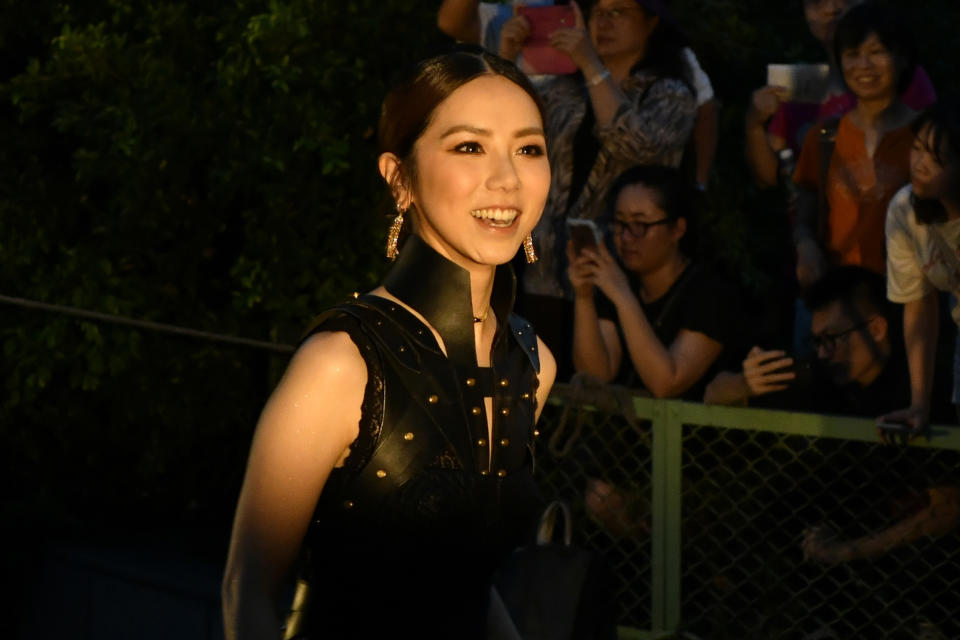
(503, 174)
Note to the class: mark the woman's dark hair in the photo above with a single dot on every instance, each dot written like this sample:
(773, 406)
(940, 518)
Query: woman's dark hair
(942, 122)
(410, 104)
(672, 194)
(664, 56)
(869, 18)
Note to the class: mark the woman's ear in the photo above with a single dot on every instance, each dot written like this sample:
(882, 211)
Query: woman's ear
(390, 169)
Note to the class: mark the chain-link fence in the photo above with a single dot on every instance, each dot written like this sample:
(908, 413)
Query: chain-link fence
(737, 523)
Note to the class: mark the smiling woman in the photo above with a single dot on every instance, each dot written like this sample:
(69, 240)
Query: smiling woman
(841, 207)
(394, 457)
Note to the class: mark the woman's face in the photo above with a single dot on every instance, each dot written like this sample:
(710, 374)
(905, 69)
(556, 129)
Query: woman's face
(929, 178)
(644, 239)
(482, 173)
(620, 29)
(869, 70)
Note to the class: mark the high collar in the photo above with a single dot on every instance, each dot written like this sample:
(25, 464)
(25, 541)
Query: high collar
(439, 290)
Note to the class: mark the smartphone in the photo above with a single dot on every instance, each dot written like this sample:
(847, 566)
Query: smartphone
(803, 82)
(583, 234)
(537, 57)
(802, 369)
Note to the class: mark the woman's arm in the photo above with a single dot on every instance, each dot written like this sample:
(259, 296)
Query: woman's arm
(304, 431)
(596, 345)
(761, 147)
(665, 371)
(921, 324)
(548, 373)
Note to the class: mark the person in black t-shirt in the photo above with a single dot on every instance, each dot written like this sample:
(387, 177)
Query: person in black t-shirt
(673, 316)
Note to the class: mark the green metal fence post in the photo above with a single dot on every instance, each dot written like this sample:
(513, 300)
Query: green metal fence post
(666, 516)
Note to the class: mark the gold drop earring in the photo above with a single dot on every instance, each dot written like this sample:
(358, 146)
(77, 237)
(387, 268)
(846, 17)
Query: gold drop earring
(393, 236)
(528, 250)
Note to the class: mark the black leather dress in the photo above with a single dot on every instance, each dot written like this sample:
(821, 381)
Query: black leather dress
(408, 532)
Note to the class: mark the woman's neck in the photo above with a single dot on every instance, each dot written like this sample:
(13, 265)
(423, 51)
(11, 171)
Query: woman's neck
(481, 288)
(620, 66)
(656, 283)
(882, 114)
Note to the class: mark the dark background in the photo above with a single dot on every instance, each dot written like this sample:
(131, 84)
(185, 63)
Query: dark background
(212, 165)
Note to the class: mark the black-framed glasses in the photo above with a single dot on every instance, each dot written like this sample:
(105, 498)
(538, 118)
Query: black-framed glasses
(614, 14)
(637, 228)
(829, 341)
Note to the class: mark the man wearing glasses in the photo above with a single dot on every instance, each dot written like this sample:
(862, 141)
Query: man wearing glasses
(859, 367)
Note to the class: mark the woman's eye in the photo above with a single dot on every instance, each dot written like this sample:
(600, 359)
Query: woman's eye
(468, 147)
(532, 150)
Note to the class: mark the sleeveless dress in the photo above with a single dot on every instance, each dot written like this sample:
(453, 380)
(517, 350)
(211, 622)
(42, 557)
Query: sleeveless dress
(406, 535)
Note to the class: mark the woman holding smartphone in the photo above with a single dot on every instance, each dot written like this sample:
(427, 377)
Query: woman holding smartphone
(630, 103)
(394, 456)
(672, 316)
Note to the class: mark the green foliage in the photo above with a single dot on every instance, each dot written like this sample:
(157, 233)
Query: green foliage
(197, 163)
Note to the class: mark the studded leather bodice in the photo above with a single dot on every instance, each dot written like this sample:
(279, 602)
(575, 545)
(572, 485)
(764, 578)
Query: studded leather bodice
(426, 488)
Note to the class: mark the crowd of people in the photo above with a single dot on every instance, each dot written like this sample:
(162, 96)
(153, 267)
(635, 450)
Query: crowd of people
(399, 442)
(867, 169)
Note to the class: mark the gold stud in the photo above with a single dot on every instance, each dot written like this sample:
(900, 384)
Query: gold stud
(356, 294)
(482, 442)
(502, 473)
(504, 411)
(381, 473)
(433, 399)
(533, 348)
(484, 472)
(504, 382)
(536, 433)
(525, 396)
(475, 411)
(471, 382)
(348, 504)
(408, 436)
(504, 442)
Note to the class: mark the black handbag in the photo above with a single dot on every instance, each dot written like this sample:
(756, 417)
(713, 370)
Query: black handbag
(556, 591)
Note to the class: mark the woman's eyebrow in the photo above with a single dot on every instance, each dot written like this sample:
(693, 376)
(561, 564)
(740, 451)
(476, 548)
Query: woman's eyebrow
(529, 131)
(457, 128)
(520, 133)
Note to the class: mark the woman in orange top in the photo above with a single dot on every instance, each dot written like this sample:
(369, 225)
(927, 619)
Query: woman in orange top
(870, 159)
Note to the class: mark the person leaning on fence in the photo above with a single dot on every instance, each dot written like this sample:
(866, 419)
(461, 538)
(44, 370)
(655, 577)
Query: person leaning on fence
(651, 316)
(923, 254)
(860, 366)
(396, 450)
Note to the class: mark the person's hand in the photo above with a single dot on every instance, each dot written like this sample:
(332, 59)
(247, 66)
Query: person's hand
(820, 545)
(514, 33)
(760, 371)
(581, 272)
(575, 42)
(608, 276)
(810, 262)
(915, 420)
(764, 103)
